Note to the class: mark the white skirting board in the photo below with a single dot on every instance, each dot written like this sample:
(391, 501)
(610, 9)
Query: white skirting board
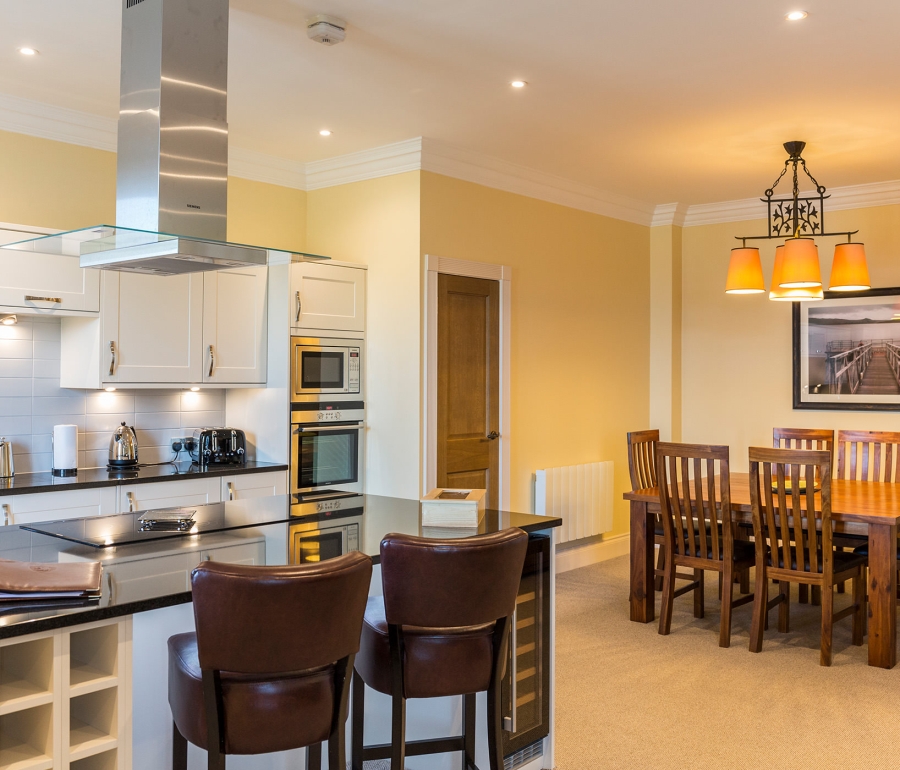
(591, 552)
(581, 495)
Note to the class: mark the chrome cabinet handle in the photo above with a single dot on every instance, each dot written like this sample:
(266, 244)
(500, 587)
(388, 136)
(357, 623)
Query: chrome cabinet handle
(299, 308)
(131, 506)
(492, 435)
(230, 487)
(32, 298)
(509, 723)
(317, 428)
(111, 586)
(7, 514)
(112, 358)
(212, 360)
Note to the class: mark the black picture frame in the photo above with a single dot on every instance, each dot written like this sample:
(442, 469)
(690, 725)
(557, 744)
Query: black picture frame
(796, 343)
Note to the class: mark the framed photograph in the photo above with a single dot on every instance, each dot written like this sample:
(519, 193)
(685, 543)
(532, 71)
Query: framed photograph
(847, 351)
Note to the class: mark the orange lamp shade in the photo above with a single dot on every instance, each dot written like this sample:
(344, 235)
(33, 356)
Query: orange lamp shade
(745, 275)
(778, 294)
(800, 267)
(849, 271)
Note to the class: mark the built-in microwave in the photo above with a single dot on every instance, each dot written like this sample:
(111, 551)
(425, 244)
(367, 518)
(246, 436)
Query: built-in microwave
(327, 447)
(324, 529)
(326, 367)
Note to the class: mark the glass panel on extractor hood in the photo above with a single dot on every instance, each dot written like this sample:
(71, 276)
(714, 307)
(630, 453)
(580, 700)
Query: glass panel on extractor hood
(107, 247)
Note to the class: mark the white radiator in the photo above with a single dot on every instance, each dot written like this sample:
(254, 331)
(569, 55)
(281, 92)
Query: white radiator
(581, 495)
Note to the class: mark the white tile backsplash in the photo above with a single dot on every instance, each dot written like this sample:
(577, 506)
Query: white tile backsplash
(31, 403)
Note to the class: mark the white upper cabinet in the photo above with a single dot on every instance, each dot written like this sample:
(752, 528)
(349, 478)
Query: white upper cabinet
(44, 284)
(331, 297)
(234, 326)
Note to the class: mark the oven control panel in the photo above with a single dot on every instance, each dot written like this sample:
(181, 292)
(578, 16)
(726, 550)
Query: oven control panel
(353, 371)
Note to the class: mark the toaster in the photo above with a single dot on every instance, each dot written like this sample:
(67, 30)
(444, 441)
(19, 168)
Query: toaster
(219, 446)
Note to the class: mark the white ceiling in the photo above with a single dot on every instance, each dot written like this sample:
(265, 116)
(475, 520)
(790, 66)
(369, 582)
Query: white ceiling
(662, 101)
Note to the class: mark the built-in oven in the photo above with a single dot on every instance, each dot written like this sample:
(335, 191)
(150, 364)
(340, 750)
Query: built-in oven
(323, 368)
(327, 447)
(324, 529)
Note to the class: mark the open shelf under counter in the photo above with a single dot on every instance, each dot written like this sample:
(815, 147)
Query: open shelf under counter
(93, 724)
(93, 659)
(107, 760)
(26, 674)
(26, 739)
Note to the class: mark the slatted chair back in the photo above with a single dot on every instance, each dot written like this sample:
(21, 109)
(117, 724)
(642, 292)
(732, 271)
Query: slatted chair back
(804, 438)
(869, 455)
(692, 502)
(642, 458)
(780, 499)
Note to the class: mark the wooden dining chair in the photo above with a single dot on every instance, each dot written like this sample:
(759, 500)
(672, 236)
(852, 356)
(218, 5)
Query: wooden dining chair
(810, 439)
(699, 528)
(869, 455)
(642, 470)
(794, 547)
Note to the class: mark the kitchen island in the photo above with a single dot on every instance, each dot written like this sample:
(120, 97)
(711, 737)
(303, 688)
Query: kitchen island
(146, 598)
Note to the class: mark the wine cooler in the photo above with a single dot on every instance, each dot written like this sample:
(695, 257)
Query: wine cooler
(526, 685)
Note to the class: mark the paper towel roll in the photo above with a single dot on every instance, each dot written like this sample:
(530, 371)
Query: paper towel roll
(65, 447)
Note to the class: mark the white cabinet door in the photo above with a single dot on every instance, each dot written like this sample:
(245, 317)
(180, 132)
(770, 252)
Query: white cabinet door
(45, 283)
(54, 506)
(154, 324)
(245, 553)
(234, 326)
(168, 494)
(328, 297)
(248, 485)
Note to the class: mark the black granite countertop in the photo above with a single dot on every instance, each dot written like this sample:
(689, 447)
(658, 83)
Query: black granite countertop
(237, 521)
(87, 478)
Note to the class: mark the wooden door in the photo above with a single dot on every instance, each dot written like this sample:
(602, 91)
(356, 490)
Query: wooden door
(234, 326)
(468, 413)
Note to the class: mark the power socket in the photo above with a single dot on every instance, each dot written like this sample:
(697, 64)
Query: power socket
(182, 443)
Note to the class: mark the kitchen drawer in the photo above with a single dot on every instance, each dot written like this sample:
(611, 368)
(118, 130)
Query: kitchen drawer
(54, 506)
(145, 578)
(245, 553)
(248, 485)
(168, 494)
(45, 284)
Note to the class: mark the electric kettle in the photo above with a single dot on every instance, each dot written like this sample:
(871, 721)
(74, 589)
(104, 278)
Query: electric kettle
(7, 470)
(123, 448)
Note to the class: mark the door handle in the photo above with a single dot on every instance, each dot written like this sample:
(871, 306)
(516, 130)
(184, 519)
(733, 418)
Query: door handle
(230, 487)
(212, 360)
(32, 298)
(299, 308)
(510, 722)
(111, 587)
(492, 435)
(112, 358)
(7, 514)
(129, 496)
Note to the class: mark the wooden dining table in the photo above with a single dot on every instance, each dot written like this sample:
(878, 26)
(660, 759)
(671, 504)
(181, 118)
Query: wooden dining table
(857, 507)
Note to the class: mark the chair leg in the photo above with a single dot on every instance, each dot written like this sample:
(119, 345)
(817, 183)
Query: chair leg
(215, 760)
(398, 731)
(179, 749)
(660, 565)
(314, 757)
(337, 747)
(858, 586)
(468, 759)
(495, 717)
(760, 602)
(827, 596)
(842, 587)
(803, 594)
(727, 576)
(358, 721)
(668, 599)
(784, 609)
(816, 596)
(699, 594)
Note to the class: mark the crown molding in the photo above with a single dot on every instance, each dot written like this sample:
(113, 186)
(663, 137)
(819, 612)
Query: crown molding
(389, 159)
(258, 167)
(445, 159)
(25, 116)
(669, 214)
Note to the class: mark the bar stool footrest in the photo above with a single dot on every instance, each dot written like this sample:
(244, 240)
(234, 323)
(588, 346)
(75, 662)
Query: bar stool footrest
(416, 748)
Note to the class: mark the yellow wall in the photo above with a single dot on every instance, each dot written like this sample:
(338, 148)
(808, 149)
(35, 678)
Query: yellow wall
(53, 184)
(376, 222)
(736, 382)
(580, 322)
(263, 214)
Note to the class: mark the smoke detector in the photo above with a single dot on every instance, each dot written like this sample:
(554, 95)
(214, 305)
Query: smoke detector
(327, 30)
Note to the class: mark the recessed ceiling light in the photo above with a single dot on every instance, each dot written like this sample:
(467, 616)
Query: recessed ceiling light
(796, 15)
(518, 84)
(26, 51)
(324, 132)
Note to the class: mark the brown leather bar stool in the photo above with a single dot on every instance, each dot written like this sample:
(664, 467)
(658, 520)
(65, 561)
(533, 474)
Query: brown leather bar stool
(441, 629)
(269, 666)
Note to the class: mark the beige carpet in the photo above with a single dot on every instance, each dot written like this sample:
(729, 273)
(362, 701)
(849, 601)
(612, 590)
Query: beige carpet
(629, 698)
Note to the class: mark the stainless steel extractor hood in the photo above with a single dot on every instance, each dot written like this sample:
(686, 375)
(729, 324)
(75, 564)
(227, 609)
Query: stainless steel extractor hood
(172, 164)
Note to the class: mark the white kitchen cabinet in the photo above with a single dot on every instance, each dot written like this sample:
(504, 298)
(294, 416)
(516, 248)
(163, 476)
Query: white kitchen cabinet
(44, 284)
(327, 296)
(252, 553)
(234, 326)
(55, 506)
(248, 485)
(168, 494)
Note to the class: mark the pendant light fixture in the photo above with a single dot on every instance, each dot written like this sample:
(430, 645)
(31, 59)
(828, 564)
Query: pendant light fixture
(797, 275)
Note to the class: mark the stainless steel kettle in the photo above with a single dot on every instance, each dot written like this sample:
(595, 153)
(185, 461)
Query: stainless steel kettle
(123, 448)
(7, 469)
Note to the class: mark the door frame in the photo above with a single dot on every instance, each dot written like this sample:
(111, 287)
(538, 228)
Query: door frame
(435, 265)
